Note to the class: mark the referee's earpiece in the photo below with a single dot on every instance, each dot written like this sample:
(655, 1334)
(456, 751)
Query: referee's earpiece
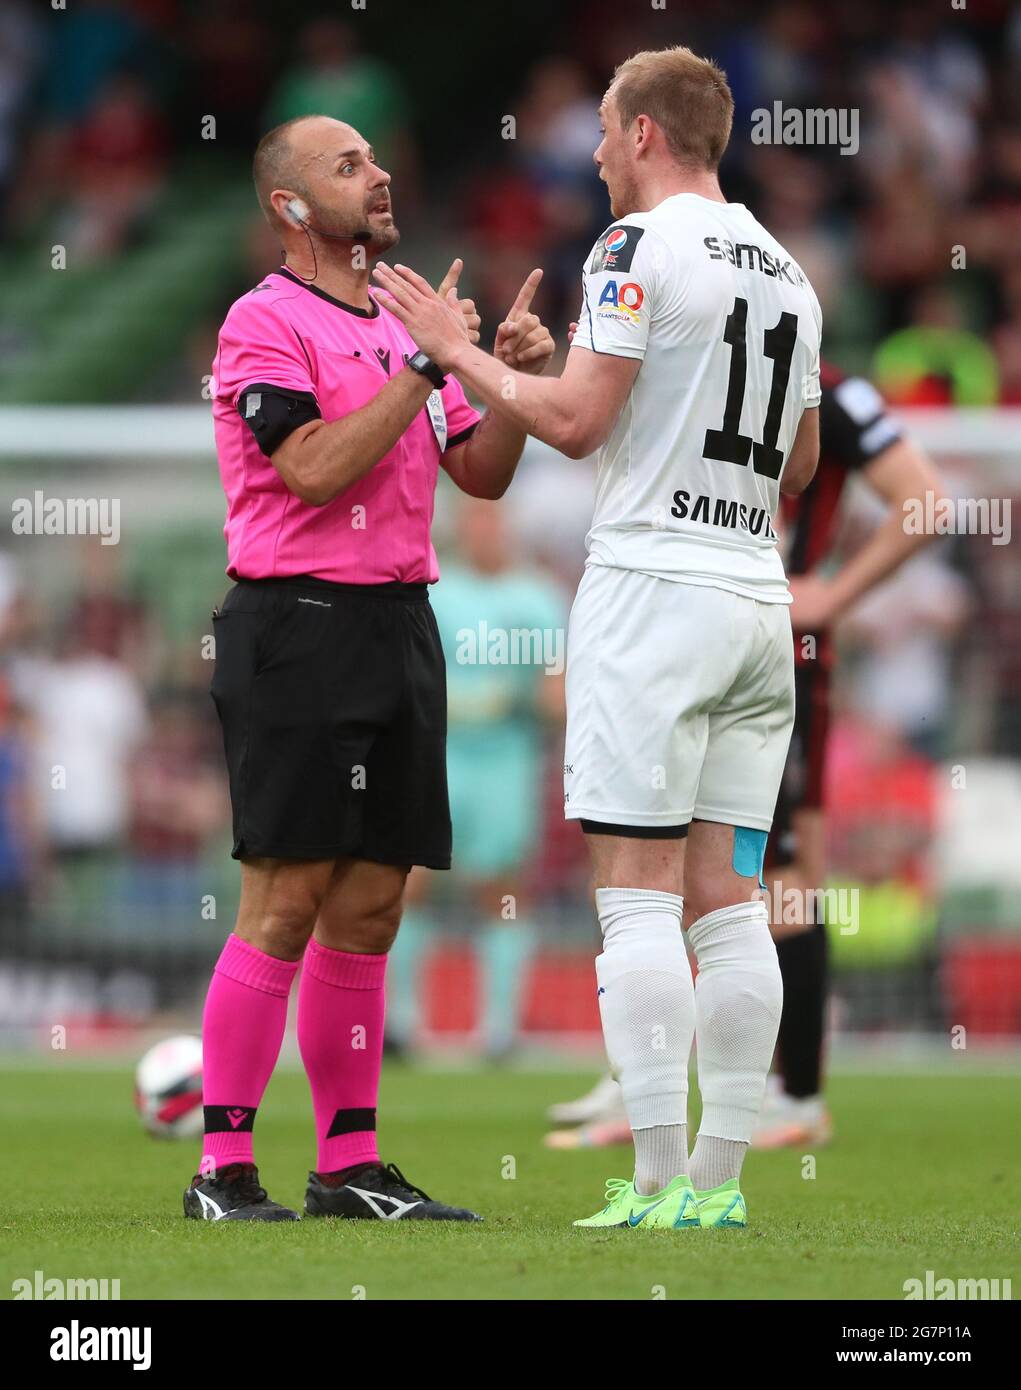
(297, 211)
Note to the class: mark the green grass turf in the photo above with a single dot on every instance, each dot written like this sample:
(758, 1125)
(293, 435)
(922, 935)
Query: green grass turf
(923, 1175)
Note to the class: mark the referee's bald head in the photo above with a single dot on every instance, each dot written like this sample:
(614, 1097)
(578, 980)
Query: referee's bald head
(283, 156)
(332, 169)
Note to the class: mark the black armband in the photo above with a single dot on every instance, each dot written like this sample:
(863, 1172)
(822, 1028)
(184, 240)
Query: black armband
(273, 413)
(462, 435)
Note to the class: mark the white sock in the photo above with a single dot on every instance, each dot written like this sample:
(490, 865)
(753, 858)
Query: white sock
(715, 1161)
(647, 1006)
(738, 998)
(661, 1154)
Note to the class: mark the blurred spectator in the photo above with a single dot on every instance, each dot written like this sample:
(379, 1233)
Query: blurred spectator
(1006, 339)
(177, 804)
(792, 201)
(19, 830)
(557, 133)
(500, 697)
(331, 78)
(936, 361)
(882, 802)
(19, 53)
(918, 123)
(89, 43)
(898, 641)
(115, 167)
(232, 45)
(504, 215)
(991, 652)
(902, 242)
(91, 714)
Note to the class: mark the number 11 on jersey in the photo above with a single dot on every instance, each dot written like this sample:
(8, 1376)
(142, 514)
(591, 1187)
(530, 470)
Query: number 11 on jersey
(728, 444)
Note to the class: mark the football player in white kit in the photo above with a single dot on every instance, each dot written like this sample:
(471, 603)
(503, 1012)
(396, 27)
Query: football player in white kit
(695, 372)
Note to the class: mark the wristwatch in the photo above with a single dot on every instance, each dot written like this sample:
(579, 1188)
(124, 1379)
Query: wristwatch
(426, 367)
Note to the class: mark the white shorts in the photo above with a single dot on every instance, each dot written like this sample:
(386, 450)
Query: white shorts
(680, 702)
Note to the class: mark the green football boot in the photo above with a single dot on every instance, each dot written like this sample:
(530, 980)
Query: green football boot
(722, 1206)
(672, 1208)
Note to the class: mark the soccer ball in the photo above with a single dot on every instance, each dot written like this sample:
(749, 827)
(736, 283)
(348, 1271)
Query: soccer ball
(168, 1088)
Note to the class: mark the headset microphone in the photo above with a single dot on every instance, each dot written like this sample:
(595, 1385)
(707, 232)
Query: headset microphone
(297, 210)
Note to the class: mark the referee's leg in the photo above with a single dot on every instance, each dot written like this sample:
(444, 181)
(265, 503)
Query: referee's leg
(353, 907)
(341, 1007)
(246, 1005)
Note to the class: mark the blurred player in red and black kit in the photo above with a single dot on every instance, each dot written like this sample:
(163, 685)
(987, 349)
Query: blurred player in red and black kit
(856, 435)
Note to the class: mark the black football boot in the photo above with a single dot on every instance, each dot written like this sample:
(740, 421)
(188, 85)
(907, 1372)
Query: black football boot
(233, 1194)
(375, 1193)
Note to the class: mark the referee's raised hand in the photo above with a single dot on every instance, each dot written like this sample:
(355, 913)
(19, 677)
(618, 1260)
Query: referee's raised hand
(472, 321)
(435, 321)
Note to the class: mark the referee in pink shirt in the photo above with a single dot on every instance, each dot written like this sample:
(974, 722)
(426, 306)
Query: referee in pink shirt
(331, 427)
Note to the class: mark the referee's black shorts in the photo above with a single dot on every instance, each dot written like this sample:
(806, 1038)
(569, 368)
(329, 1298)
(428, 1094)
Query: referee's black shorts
(332, 699)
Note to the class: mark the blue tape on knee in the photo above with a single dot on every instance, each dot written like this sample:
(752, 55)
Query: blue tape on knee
(749, 852)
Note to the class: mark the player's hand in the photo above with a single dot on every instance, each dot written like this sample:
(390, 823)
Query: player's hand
(467, 306)
(522, 340)
(815, 603)
(437, 325)
(572, 328)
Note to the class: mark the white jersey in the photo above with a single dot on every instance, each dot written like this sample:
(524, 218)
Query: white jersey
(727, 329)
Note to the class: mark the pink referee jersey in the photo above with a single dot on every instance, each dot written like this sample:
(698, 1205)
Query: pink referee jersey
(290, 335)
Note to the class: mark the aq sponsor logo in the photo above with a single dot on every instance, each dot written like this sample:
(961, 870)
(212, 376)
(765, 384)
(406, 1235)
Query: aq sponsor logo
(621, 302)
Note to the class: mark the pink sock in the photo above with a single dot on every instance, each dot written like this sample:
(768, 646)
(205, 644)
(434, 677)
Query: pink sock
(340, 1033)
(242, 1029)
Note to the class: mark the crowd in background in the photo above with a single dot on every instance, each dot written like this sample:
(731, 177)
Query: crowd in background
(101, 111)
(102, 107)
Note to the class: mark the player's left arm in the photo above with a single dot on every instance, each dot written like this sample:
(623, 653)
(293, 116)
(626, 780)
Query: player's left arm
(574, 413)
(900, 475)
(860, 436)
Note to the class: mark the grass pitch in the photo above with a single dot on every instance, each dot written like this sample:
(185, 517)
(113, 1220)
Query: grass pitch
(923, 1175)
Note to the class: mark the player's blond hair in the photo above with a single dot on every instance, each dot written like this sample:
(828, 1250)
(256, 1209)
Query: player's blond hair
(687, 96)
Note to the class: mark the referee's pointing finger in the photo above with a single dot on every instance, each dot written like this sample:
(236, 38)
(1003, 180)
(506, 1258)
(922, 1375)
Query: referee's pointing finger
(451, 278)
